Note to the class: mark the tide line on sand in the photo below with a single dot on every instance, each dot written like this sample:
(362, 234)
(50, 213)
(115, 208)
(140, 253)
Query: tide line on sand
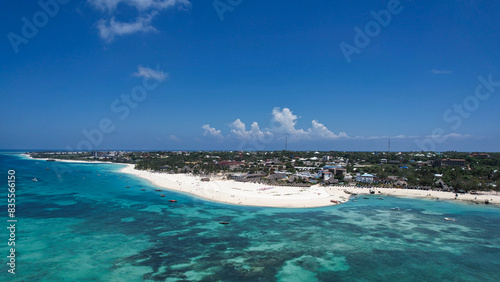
(240, 193)
(253, 194)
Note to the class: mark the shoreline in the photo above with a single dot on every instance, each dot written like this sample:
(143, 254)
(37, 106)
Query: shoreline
(240, 193)
(288, 197)
(492, 197)
(70, 161)
(261, 195)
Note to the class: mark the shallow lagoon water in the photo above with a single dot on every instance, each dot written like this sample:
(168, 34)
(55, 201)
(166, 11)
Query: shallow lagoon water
(79, 222)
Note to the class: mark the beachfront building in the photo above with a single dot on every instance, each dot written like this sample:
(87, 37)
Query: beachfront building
(165, 168)
(401, 183)
(327, 175)
(440, 184)
(365, 178)
(237, 176)
(348, 177)
(335, 170)
(231, 165)
(331, 180)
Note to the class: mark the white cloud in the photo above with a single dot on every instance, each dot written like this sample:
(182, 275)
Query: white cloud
(458, 135)
(319, 130)
(104, 5)
(211, 131)
(173, 138)
(141, 5)
(284, 122)
(109, 28)
(435, 71)
(239, 129)
(450, 135)
(150, 73)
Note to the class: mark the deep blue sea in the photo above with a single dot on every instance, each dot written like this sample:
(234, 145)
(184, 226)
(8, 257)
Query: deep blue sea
(79, 222)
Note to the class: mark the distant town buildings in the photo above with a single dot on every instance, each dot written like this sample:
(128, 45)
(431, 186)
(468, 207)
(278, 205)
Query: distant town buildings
(231, 165)
(327, 175)
(302, 169)
(480, 156)
(335, 170)
(365, 178)
(448, 162)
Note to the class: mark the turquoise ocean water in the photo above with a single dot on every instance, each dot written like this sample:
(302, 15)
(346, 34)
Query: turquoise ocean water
(86, 226)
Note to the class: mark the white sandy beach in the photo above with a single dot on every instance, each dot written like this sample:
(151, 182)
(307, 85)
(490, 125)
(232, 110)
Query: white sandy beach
(492, 197)
(242, 193)
(67, 161)
(252, 194)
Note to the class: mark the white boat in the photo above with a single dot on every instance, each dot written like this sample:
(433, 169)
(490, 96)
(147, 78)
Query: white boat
(34, 179)
(449, 219)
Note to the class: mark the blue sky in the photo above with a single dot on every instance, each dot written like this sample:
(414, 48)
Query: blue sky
(246, 75)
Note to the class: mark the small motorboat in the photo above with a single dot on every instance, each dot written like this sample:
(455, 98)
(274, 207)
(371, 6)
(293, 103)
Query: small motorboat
(395, 209)
(157, 190)
(47, 168)
(34, 179)
(366, 198)
(172, 201)
(127, 186)
(143, 189)
(380, 198)
(449, 219)
(223, 222)
(162, 195)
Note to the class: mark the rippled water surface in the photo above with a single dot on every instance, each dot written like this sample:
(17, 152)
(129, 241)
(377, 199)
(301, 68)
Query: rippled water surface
(80, 222)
